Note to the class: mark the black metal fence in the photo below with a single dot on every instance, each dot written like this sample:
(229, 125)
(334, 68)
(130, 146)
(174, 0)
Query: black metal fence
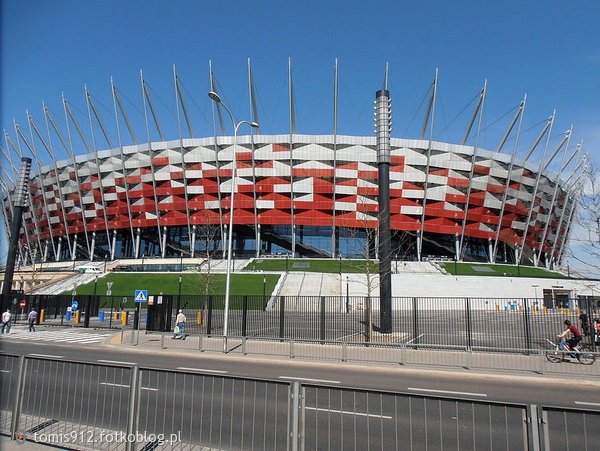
(470, 323)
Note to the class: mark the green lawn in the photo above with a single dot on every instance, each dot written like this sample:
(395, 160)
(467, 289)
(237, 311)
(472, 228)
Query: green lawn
(191, 284)
(479, 269)
(310, 265)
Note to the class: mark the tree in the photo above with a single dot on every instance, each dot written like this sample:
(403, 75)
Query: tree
(365, 242)
(208, 234)
(32, 278)
(585, 229)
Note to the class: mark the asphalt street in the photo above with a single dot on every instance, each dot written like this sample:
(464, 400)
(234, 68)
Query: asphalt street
(239, 402)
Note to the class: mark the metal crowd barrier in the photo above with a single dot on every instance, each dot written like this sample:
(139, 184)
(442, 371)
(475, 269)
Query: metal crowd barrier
(77, 405)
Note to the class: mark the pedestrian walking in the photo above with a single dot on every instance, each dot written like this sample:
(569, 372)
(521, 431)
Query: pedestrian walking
(180, 326)
(31, 318)
(583, 319)
(5, 325)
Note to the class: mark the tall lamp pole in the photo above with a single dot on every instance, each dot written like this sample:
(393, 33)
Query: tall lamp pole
(236, 125)
(179, 295)
(88, 305)
(383, 125)
(19, 204)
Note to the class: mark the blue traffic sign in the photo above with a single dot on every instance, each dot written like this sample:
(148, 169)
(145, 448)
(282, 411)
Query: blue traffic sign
(74, 305)
(140, 296)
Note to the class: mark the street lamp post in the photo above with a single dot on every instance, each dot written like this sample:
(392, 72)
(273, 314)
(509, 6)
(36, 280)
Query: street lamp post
(347, 294)
(179, 295)
(88, 305)
(181, 262)
(236, 125)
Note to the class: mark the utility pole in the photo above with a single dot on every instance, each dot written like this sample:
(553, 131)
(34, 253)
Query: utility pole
(20, 199)
(383, 125)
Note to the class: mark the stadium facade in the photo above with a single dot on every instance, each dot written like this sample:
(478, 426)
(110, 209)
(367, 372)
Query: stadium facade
(306, 195)
(301, 195)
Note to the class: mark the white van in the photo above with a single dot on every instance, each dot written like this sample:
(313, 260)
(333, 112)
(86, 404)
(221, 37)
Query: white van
(90, 269)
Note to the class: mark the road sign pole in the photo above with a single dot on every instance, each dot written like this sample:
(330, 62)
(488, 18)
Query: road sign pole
(136, 320)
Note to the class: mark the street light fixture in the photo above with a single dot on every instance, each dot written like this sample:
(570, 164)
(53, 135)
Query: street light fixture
(236, 125)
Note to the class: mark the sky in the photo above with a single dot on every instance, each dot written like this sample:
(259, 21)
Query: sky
(549, 50)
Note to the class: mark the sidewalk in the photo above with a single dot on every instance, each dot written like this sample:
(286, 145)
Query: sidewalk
(374, 354)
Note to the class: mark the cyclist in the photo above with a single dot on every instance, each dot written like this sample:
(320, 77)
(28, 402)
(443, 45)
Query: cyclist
(575, 337)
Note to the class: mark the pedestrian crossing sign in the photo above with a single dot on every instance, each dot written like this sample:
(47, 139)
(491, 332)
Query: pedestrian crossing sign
(140, 296)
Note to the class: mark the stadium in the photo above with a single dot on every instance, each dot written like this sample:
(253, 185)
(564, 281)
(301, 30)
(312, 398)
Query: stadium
(300, 195)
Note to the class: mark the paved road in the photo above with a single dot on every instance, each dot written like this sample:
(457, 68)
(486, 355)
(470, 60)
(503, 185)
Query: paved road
(42, 334)
(210, 406)
(505, 388)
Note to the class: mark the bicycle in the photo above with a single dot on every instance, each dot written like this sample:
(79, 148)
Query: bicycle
(562, 351)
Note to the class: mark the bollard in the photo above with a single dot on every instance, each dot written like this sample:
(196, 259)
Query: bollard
(124, 318)
(42, 315)
(199, 317)
(76, 317)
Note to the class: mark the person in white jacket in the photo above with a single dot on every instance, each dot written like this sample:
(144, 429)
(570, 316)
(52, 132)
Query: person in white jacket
(6, 316)
(180, 326)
